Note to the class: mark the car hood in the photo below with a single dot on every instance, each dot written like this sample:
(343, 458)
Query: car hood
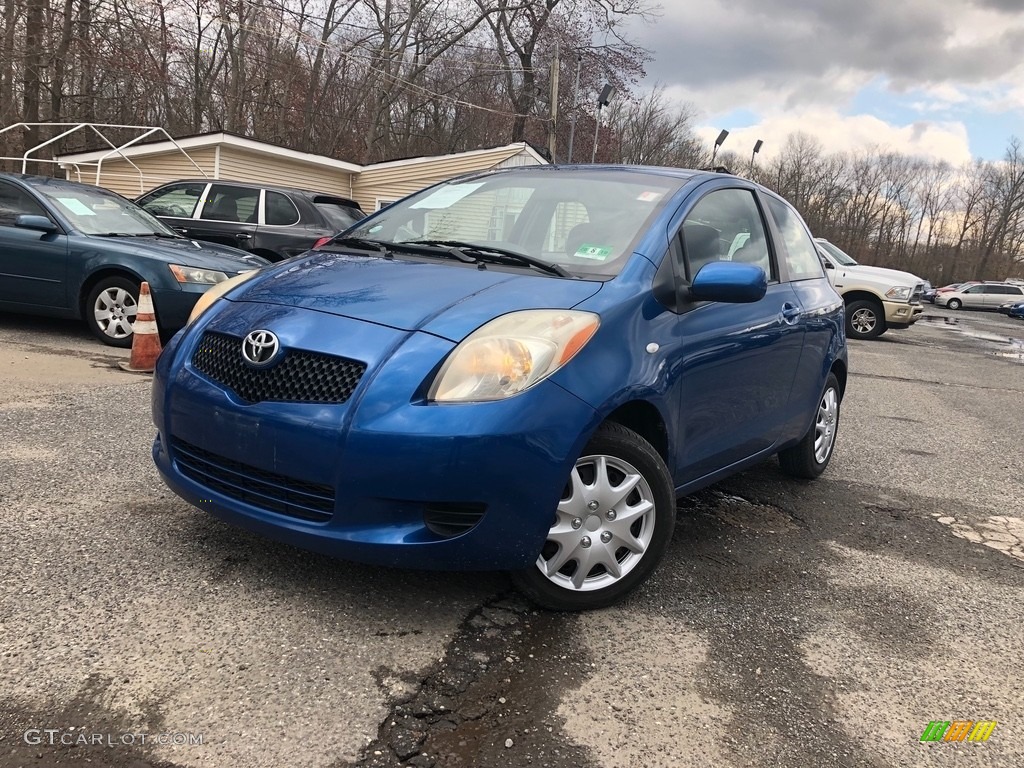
(189, 253)
(443, 299)
(883, 273)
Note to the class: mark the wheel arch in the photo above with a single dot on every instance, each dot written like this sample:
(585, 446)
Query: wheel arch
(860, 295)
(100, 274)
(839, 369)
(644, 418)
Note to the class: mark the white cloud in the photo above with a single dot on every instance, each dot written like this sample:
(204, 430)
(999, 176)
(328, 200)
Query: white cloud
(846, 133)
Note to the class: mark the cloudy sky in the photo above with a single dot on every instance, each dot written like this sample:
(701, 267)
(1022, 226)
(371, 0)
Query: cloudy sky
(941, 78)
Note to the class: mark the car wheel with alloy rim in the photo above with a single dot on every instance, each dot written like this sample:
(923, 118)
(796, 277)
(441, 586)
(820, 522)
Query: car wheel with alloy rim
(110, 310)
(611, 527)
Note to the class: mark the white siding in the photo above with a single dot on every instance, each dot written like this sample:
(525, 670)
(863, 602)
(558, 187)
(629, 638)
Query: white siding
(119, 176)
(242, 165)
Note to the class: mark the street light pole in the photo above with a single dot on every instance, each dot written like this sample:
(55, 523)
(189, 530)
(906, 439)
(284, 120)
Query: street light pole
(757, 148)
(718, 142)
(602, 100)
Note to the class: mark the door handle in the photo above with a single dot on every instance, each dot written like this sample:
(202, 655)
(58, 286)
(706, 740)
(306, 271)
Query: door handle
(180, 230)
(791, 313)
(243, 236)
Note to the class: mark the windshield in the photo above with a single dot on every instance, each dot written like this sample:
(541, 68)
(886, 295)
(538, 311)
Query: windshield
(584, 221)
(837, 254)
(95, 211)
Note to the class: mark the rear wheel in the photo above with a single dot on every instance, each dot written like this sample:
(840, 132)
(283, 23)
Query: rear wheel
(864, 319)
(110, 310)
(812, 454)
(611, 528)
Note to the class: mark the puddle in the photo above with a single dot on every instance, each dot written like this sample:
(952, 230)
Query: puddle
(1010, 348)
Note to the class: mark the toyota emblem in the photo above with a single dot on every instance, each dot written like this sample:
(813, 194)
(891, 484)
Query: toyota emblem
(260, 348)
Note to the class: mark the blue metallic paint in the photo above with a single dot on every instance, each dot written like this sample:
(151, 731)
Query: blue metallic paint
(733, 383)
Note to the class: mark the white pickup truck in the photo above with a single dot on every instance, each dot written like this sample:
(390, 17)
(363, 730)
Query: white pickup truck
(876, 298)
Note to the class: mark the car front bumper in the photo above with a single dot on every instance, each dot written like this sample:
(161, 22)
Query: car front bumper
(380, 469)
(901, 314)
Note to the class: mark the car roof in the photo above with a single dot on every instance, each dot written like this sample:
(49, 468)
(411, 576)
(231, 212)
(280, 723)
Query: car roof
(261, 185)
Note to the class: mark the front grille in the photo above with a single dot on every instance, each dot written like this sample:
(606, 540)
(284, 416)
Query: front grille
(449, 519)
(267, 490)
(300, 376)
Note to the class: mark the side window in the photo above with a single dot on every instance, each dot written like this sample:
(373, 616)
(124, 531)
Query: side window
(801, 257)
(179, 200)
(14, 203)
(725, 225)
(975, 289)
(280, 211)
(231, 204)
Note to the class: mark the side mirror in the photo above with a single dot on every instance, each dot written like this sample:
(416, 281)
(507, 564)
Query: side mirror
(32, 221)
(827, 264)
(729, 281)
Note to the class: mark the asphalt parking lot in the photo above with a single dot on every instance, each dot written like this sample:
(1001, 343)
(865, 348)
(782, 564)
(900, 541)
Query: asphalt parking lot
(792, 624)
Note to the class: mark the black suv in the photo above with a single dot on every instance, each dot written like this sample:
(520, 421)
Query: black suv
(272, 222)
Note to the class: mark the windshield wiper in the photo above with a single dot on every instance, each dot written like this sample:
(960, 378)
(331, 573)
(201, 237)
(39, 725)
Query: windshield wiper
(139, 234)
(494, 255)
(364, 243)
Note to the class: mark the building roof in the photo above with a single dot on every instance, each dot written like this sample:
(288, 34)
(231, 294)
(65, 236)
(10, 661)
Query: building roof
(511, 149)
(204, 140)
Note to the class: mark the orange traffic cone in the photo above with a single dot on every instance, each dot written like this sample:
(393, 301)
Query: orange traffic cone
(146, 346)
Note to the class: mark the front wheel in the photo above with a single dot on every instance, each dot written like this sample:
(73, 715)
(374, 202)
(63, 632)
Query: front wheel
(110, 310)
(954, 304)
(864, 319)
(811, 455)
(611, 528)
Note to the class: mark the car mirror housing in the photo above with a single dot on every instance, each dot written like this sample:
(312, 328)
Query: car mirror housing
(729, 281)
(33, 221)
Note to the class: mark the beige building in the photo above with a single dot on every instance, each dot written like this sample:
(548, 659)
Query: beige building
(134, 170)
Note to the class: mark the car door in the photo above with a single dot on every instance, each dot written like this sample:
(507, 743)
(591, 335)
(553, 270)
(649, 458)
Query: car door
(737, 361)
(227, 215)
(280, 229)
(175, 204)
(973, 296)
(33, 264)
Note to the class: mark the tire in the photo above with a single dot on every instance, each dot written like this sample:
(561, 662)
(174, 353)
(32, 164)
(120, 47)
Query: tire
(954, 304)
(110, 310)
(864, 319)
(636, 521)
(810, 457)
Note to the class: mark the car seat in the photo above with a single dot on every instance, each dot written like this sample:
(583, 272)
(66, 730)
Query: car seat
(702, 245)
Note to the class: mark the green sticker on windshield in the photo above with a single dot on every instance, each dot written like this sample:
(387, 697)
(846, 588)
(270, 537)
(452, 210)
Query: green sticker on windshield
(586, 251)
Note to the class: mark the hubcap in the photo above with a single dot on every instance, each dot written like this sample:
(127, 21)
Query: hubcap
(115, 311)
(863, 321)
(615, 509)
(825, 425)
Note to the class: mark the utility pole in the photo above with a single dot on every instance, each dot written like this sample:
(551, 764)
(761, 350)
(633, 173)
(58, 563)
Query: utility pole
(575, 105)
(554, 105)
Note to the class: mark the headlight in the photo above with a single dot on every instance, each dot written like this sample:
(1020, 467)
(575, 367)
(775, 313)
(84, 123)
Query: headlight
(899, 293)
(512, 353)
(196, 275)
(217, 291)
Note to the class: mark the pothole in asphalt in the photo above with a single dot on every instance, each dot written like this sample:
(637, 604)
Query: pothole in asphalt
(1000, 532)
(738, 512)
(490, 701)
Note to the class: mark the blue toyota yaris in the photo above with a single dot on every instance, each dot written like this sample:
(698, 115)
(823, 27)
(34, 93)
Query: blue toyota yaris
(517, 370)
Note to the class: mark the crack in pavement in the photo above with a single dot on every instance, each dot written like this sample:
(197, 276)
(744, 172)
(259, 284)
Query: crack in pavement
(491, 700)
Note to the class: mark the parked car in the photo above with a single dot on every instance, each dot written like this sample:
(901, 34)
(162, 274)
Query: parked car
(982, 296)
(518, 370)
(1007, 307)
(1017, 310)
(876, 298)
(940, 293)
(78, 251)
(273, 222)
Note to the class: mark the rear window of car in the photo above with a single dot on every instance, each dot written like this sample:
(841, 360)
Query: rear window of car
(339, 215)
